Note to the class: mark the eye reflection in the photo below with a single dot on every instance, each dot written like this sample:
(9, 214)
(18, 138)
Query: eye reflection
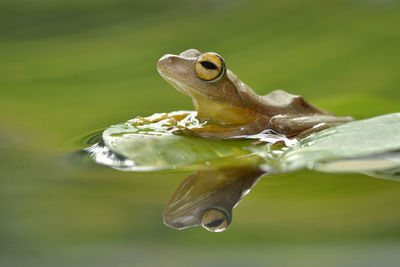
(214, 220)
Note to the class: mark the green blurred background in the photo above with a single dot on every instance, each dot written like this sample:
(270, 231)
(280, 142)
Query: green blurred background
(68, 68)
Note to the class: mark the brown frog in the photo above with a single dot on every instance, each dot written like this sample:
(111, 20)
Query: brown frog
(228, 107)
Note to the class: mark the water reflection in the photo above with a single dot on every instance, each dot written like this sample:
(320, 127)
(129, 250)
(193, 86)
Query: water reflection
(208, 196)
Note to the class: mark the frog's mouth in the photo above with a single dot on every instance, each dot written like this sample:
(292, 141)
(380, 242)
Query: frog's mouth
(176, 84)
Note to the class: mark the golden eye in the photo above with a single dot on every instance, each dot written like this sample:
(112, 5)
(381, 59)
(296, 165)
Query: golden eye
(214, 220)
(209, 67)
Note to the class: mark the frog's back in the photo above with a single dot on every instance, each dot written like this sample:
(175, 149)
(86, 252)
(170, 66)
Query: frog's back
(280, 102)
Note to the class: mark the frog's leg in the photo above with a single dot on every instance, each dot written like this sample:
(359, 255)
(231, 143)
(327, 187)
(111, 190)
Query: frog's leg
(291, 126)
(302, 126)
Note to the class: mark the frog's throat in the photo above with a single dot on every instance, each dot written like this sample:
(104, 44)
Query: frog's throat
(213, 110)
(221, 113)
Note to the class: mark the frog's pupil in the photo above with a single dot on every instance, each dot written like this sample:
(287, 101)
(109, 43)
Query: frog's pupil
(208, 65)
(215, 223)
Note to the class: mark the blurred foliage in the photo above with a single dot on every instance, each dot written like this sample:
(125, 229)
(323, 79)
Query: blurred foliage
(70, 67)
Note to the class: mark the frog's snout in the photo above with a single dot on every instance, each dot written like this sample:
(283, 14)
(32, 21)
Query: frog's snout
(165, 60)
(164, 63)
(173, 67)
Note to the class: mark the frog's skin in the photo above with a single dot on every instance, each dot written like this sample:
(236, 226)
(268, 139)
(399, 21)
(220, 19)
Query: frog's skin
(231, 108)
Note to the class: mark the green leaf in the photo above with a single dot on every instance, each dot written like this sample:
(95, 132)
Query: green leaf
(369, 146)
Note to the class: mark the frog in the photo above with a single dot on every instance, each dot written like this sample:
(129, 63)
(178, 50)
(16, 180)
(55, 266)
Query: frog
(228, 108)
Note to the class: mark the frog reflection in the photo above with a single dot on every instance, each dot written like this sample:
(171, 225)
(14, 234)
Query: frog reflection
(208, 196)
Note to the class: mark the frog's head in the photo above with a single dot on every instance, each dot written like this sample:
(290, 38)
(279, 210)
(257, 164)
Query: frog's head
(216, 92)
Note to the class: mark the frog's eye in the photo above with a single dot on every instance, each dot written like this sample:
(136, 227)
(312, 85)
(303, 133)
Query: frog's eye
(215, 220)
(209, 67)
